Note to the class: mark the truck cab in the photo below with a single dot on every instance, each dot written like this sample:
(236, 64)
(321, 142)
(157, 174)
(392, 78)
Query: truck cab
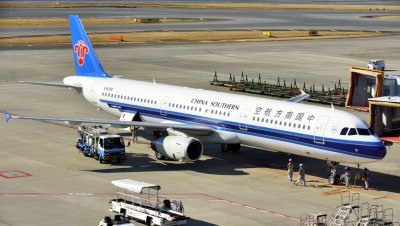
(109, 147)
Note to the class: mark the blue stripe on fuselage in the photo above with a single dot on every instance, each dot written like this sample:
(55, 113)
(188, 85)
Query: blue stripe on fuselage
(370, 150)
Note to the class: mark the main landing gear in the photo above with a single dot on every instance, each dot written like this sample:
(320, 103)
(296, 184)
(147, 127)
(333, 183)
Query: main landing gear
(334, 178)
(230, 147)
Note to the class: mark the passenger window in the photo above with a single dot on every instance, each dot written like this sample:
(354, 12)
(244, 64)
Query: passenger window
(344, 131)
(363, 132)
(352, 132)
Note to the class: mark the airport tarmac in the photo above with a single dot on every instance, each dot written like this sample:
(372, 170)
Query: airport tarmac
(45, 181)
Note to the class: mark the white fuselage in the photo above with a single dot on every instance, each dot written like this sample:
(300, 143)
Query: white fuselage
(288, 127)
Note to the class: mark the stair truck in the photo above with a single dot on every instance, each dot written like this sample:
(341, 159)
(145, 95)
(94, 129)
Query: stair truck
(140, 201)
(98, 143)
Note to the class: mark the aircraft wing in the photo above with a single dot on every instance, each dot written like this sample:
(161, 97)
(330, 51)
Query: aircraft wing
(299, 97)
(190, 128)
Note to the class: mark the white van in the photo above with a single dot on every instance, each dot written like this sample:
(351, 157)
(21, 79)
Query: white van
(376, 64)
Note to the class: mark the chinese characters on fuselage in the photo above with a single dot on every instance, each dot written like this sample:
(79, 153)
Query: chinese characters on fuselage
(280, 114)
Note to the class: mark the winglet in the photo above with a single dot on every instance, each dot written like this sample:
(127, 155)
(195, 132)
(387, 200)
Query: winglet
(8, 116)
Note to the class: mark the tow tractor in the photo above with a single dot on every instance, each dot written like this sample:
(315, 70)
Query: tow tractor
(140, 201)
(98, 143)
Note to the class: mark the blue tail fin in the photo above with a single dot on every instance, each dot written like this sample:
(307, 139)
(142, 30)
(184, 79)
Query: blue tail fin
(85, 59)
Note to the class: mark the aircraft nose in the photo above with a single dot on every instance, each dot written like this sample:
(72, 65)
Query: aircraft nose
(380, 150)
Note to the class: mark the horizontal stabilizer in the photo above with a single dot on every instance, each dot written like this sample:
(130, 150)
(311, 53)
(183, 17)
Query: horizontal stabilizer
(57, 84)
(299, 97)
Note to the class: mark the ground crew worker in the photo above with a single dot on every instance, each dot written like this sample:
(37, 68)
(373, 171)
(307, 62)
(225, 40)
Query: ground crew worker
(346, 176)
(134, 134)
(290, 169)
(366, 178)
(302, 175)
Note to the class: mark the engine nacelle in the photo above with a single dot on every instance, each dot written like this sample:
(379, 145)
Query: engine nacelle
(178, 148)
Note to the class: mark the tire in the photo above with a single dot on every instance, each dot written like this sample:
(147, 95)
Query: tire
(159, 156)
(235, 147)
(149, 221)
(224, 148)
(230, 147)
(331, 180)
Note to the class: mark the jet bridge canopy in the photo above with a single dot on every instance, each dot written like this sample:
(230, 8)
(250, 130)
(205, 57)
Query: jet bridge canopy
(385, 117)
(134, 186)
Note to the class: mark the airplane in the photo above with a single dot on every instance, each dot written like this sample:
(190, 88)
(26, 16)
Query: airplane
(184, 118)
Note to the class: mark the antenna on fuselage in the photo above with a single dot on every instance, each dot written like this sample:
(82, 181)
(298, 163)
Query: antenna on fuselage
(333, 108)
(154, 81)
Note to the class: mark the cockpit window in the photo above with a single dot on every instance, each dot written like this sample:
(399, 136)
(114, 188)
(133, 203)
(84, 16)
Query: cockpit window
(363, 132)
(344, 131)
(371, 131)
(352, 131)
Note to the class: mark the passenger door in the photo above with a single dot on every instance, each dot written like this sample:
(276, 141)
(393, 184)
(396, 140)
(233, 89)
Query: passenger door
(244, 116)
(164, 105)
(320, 128)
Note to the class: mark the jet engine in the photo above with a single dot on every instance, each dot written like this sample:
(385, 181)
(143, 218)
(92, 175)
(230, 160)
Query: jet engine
(179, 148)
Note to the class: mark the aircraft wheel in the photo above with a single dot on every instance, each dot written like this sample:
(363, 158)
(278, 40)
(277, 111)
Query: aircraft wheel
(230, 147)
(235, 147)
(159, 156)
(224, 147)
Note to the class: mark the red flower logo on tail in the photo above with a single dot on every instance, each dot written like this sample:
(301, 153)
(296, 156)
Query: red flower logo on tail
(81, 49)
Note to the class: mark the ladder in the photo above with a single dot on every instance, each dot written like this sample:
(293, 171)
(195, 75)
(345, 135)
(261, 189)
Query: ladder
(364, 221)
(341, 215)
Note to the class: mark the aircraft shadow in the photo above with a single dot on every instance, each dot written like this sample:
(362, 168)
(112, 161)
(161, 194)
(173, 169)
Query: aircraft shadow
(142, 162)
(274, 160)
(219, 163)
(195, 222)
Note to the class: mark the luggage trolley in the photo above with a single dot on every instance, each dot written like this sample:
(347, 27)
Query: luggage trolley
(141, 201)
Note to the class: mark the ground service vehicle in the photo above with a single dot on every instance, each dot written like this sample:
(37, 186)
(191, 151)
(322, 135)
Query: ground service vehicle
(140, 200)
(376, 64)
(97, 142)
